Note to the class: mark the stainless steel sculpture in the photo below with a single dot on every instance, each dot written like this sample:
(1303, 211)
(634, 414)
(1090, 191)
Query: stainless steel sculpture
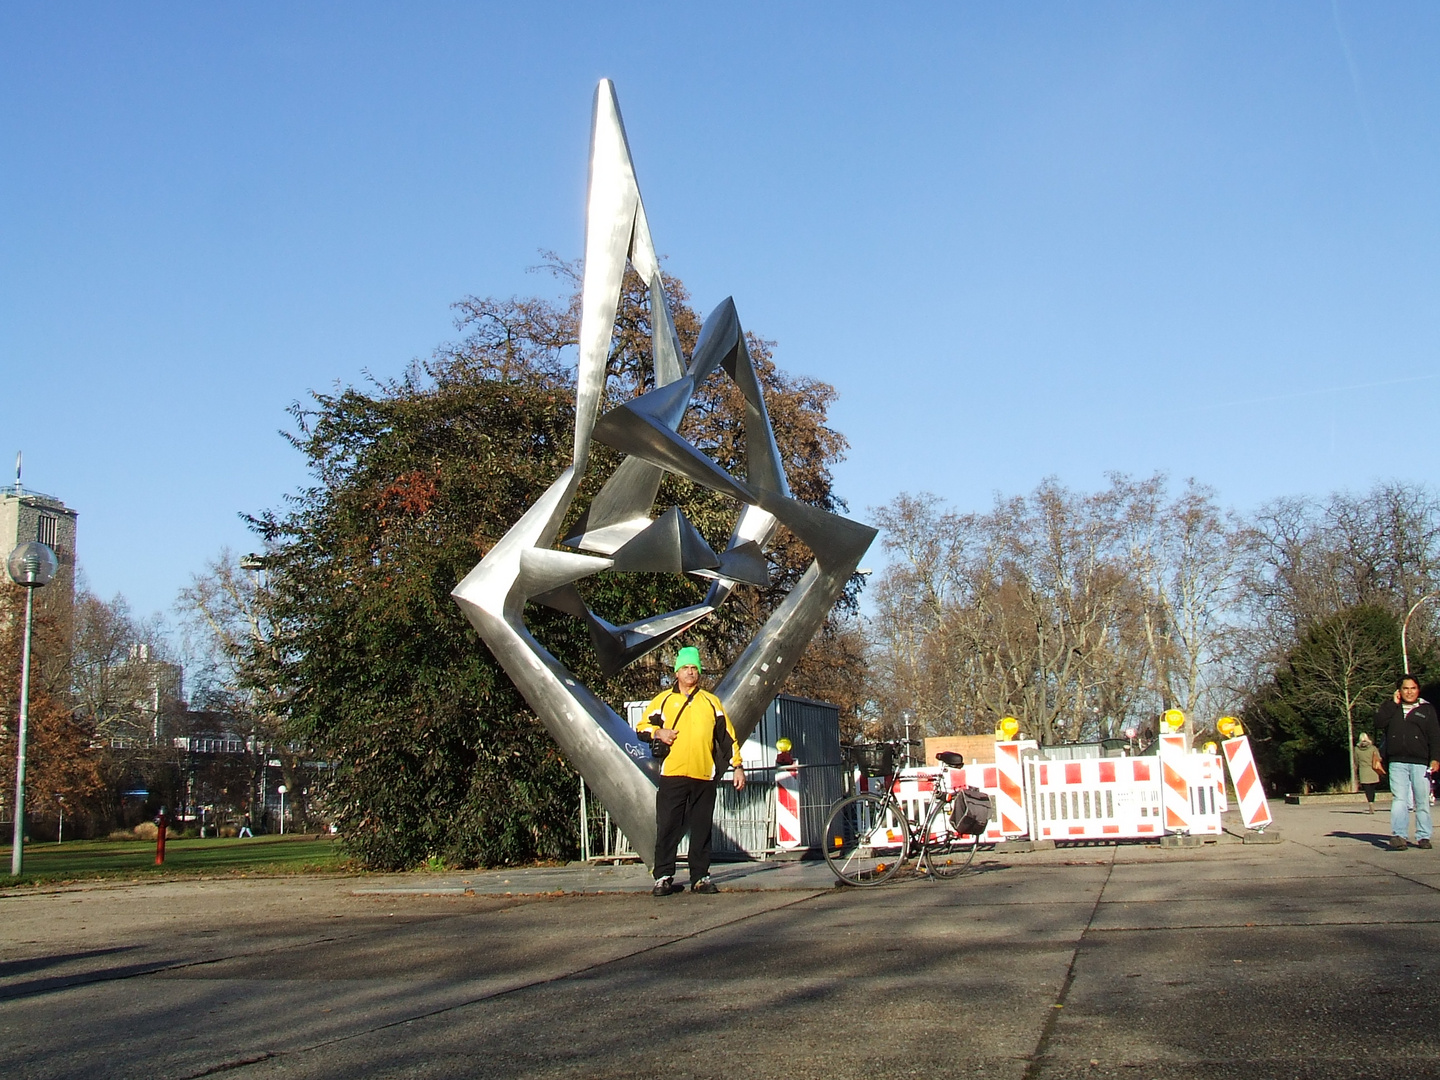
(618, 531)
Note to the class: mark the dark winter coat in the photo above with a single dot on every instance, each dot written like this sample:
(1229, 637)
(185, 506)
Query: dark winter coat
(1414, 738)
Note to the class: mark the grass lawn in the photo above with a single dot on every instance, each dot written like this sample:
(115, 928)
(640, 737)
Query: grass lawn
(78, 860)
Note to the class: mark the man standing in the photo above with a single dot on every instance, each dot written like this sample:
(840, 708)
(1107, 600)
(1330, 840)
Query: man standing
(688, 730)
(1408, 732)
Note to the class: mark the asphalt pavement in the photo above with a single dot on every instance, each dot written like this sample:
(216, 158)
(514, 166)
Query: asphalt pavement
(1315, 957)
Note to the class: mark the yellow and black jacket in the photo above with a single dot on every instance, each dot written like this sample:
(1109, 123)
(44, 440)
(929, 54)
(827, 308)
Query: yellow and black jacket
(693, 752)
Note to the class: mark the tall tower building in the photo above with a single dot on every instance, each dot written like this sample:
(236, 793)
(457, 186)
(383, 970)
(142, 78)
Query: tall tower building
(27, 515)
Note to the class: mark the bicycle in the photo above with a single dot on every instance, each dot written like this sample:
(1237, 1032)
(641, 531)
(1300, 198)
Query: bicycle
(868, 837)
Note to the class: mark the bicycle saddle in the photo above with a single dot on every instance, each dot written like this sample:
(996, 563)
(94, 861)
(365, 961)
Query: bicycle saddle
(949, 757)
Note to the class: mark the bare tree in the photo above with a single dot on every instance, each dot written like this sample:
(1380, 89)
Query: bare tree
(125, 681)
(1032, 609)
(1314, 559)
(232, 651)
(1189, 558)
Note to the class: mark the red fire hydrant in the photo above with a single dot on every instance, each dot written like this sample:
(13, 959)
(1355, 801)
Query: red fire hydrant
(160, 823)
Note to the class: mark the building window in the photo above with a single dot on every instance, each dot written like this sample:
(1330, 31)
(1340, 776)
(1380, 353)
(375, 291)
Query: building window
(47, 528)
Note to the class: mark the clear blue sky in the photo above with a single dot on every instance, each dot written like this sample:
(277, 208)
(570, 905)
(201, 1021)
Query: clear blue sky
(1022, 240)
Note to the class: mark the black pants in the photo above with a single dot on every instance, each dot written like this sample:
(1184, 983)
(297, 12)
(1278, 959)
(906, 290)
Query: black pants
(683, 803)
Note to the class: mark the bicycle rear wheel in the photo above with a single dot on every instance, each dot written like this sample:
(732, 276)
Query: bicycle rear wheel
(944, 852)
(865, 840)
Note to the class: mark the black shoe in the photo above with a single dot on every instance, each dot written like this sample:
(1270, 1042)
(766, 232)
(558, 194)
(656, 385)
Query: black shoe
(1424, 844)
(666, 887)
(705, 886)
(1397, 843)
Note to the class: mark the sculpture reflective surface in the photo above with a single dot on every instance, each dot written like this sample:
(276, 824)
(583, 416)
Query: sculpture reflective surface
(617, 533)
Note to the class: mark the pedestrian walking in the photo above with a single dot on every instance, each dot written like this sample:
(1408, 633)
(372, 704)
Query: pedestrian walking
(1367, 756)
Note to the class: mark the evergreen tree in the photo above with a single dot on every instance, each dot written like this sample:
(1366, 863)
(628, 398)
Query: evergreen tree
(1325, 692)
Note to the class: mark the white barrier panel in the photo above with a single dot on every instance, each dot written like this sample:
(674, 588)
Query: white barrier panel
(915, 789)
(1207, 794)
(1254, 807)
(1095, 798)
(892, 835)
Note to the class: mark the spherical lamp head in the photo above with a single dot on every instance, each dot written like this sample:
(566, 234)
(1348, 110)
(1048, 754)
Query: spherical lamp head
(32, 565)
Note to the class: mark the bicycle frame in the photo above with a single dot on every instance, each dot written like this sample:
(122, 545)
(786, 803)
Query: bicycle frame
(869, 836)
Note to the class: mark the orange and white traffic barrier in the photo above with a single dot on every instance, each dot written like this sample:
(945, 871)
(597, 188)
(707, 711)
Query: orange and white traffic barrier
(1254, 807)
(915, 792)
(986, 777)
(1215, 769)
(1175, 782)
(787, 808)
(1192, 788)
(1175, 791)
(1095, 798)
(1009, 793)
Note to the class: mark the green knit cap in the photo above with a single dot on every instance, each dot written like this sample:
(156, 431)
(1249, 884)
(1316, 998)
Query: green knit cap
(687, 656)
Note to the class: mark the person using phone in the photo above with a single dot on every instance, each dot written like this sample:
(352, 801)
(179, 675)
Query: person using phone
(1408, 732)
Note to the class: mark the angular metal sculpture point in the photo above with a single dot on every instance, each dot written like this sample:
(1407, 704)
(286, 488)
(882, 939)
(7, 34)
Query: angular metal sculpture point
(525, 567)
(745, 562)
(671, 545)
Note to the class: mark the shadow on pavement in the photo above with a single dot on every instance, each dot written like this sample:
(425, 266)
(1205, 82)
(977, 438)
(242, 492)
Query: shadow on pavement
(1378, 840)
(10, 968)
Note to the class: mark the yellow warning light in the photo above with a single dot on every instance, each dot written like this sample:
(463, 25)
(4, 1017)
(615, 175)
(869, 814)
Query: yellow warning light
(1009, 728)
(1174, 719)
(783, 745)
(1230, 727)
(839, 841)
(1211, 748)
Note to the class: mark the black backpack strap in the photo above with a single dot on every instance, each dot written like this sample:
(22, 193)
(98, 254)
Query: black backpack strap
(688, 698)
(646, 736)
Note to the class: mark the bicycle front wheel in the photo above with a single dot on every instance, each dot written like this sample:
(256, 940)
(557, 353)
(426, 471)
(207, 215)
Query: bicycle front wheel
(944, 852)
(865, 840)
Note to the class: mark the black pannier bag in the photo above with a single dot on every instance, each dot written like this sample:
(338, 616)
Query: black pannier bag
(970, 813)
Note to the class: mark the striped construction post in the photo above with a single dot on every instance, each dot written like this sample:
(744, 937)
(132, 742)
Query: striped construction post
(1010, 801)
(1175, 783)
(1254, 807)
(1216, 770)
(787, 808)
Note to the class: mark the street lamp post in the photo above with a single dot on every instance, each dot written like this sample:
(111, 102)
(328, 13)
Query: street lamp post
(282, 789)
(1404, 626)
(30, 566)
